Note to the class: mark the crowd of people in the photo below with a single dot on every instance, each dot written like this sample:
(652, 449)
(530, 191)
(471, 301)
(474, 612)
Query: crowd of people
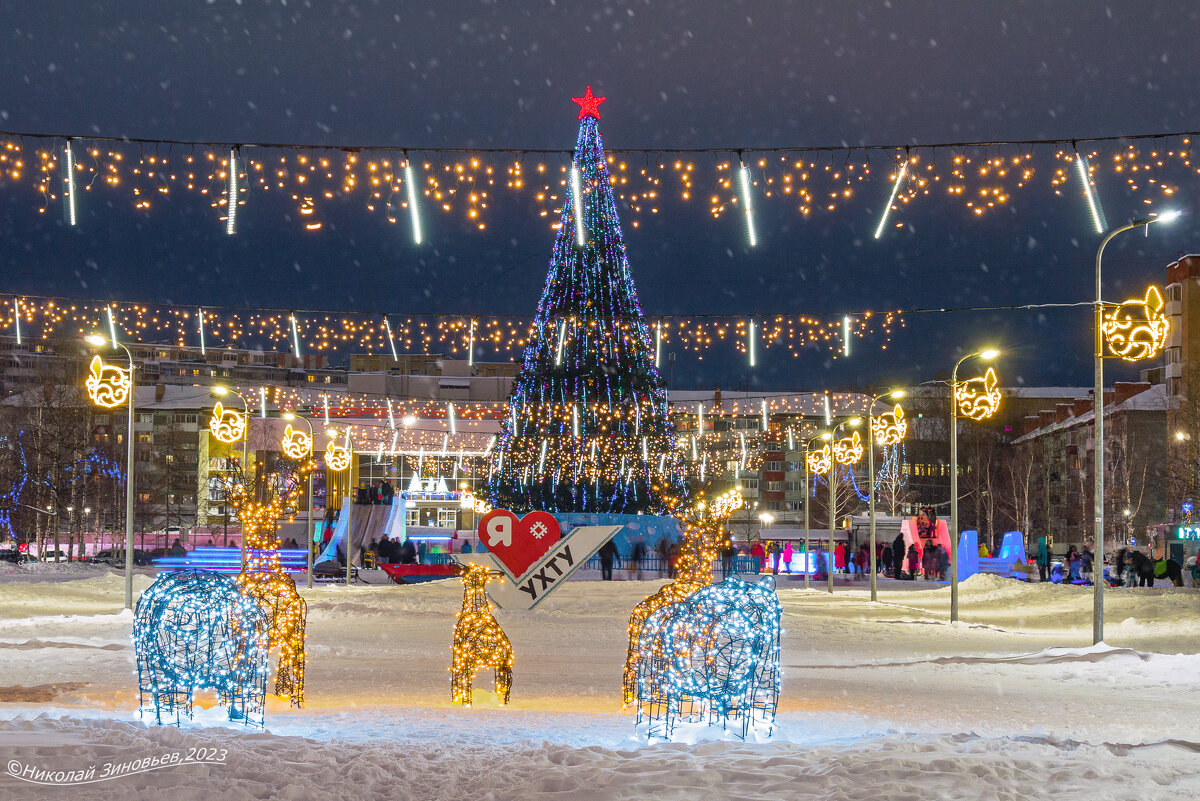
(378, 493)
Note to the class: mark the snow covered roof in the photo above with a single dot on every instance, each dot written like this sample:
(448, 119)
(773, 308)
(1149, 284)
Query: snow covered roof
(1152, 399)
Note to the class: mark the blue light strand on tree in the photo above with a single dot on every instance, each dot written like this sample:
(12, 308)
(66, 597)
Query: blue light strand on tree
(588, 429)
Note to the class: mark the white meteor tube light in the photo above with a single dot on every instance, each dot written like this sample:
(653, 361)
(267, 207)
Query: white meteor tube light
(577, 205)
(413, 212)
(744, 176)
(887, 210)
(1089, 191)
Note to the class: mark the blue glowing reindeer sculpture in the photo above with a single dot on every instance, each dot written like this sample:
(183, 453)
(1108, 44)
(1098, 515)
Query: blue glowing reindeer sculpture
(713, 657)
(196, 629)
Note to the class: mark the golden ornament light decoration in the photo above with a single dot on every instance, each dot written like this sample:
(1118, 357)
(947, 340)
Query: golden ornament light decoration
(479, 641)
(1138, 328)
(107, 385)
(296, 444)
(819, 461)
(889, 428)
(337, 457)
(978, 398)
(848, 450)
(227, 425)
(703, 535)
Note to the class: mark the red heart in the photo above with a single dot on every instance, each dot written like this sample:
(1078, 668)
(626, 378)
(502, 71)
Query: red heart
(518, 543)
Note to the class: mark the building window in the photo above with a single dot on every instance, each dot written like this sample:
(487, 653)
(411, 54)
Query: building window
(412, 517)
(447, 518)
(774, 486)
(750, 483)
(795, 506)
(773, 466)
(794, 486)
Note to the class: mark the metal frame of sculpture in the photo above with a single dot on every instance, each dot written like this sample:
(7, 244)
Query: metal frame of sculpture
(479, 641)
(712, 658)
(196, 629)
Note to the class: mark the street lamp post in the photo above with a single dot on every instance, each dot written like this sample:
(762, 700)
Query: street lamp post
(308, 545)
(895, 395)
(99, 341)
(807, 556)
(986, 354)
(222, 391)
(1098, 434)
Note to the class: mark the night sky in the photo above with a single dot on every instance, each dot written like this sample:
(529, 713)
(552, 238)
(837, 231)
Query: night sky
(678, 75)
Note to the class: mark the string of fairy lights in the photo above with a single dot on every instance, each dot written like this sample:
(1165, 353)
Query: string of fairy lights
(30, 317)
(398, 185)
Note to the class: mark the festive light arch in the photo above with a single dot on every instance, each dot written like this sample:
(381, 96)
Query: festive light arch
(820, 460)
(889, 428)
(227, 425)
(296, 444)
(337, 457)
(1138, 328)
(978, 398)
(848, 450)
(107, 385)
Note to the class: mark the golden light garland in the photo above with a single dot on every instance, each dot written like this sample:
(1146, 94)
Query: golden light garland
(227, 425)
(889, 428)
(385, 183)
(326, 332)
(479, 641)
(107, 384)
(296, 444)
(1138, 328)
(703, 534)
(978, 398)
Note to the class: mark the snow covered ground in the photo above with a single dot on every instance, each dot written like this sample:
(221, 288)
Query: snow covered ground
(882, 700)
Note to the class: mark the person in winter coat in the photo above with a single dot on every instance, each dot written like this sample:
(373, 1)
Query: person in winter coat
(885, 559)
(943, 563)
(839, 557)
(608, 552)
(864, 562)
(914, 561)
(898, 556)
(1043, 559)
(929, 564)
(785, 564)
(756, 550)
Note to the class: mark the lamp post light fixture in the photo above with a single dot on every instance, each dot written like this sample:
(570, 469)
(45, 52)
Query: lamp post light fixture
(977, 406)
(891, 435)
(1098, 424)
(310, 534)
(825, 435)
(833, 466)
(98, 341)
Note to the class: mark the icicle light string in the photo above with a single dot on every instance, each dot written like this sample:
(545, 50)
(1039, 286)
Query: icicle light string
(981, 175)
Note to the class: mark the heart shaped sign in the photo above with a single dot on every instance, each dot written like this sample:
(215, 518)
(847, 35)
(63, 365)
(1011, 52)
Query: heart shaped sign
(518, 543)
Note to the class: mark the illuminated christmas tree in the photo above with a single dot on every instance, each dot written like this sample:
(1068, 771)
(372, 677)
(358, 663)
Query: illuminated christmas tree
(587, 429)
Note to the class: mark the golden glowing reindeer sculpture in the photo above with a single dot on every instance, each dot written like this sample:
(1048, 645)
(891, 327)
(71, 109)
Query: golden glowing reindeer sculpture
(264, 579)
(702, 537)
(479, 642)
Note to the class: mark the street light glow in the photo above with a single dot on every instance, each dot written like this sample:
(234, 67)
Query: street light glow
(1169, 216)
(989, 354)
(95, 339)
(220, 391)
(897, 394)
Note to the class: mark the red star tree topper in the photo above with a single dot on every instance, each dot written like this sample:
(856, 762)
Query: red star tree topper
(589, 105)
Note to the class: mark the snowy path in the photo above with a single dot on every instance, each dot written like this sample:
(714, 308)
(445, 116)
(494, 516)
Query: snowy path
(884, 700)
